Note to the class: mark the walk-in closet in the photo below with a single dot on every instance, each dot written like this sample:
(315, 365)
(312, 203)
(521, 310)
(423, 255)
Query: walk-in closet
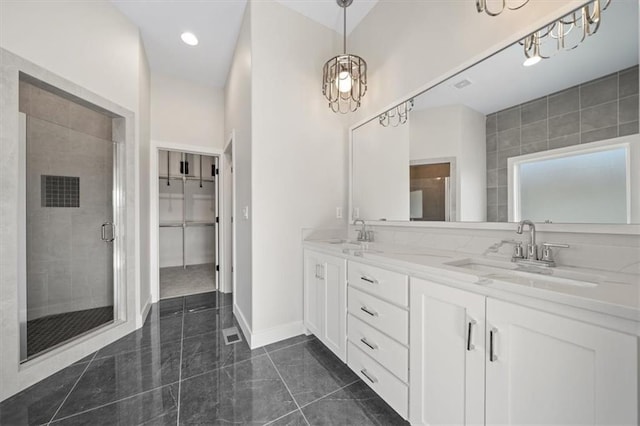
(188, 212)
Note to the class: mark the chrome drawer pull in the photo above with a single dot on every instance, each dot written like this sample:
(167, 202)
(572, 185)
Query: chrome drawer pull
(368, 375)
(372, 346)
(369, 280)
(470, 345)
(492, 345)
(367, 311)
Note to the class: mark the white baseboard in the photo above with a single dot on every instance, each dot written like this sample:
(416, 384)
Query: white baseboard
(246, 330)
(145, 312)
(276, 334)
(269, 336)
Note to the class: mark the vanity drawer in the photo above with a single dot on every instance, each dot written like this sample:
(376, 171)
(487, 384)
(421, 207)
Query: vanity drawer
(389, 319)
(388, 285)
(385, 384)
(391, 354)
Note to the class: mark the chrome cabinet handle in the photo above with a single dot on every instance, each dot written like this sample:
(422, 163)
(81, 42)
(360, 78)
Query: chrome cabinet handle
(492, 345)
(470, 345)
(103, 231)
(369, 376)
(319, 271)
(368, 311)
(371, 346)
(368, 279)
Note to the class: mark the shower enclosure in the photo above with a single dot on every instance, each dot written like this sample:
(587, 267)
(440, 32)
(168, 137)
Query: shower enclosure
(70, 162)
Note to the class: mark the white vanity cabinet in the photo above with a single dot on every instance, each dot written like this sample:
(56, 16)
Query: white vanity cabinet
(325, 303)
(547, 369)
(447, 355)
(378, 331)
(540, 368)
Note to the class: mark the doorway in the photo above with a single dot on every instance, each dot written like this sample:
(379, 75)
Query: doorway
(188, 212)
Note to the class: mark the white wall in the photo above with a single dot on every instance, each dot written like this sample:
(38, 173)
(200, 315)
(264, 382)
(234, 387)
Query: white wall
(186, 113)
(238, 115)
(459, 132)
(299, 160)
(89, 43)
(184, 116)
(94, 46)
(381, 172)
(145, 184)
(472, 167)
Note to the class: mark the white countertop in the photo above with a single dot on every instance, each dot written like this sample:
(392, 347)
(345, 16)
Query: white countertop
(610, 293)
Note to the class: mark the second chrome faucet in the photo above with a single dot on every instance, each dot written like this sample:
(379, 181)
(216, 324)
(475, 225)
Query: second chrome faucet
(531, 254)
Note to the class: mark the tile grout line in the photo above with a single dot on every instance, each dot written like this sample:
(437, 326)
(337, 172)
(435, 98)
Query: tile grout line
(281, 417)
(290, 346)
(115, 402)
(330, 393)
(224, 366)
(184, 306)
(72, 388)
(287, 387)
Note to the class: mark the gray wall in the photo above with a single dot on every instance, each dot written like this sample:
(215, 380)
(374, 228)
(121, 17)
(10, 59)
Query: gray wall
(600, 109)
(69, 268)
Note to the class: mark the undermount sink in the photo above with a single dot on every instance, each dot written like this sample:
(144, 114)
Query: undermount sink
(549, 275)
(346, 244)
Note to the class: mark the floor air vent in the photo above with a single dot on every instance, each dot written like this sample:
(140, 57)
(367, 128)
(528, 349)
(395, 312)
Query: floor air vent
(231, 335)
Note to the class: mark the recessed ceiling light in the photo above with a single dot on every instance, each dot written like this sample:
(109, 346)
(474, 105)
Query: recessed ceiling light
(189, 38)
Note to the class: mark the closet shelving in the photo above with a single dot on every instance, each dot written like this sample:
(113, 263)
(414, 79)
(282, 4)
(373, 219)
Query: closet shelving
(194, 176)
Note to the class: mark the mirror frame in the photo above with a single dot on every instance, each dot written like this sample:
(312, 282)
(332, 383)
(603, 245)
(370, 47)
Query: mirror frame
(587, 228)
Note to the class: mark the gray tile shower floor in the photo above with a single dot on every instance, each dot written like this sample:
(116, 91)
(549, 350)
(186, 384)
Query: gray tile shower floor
(176, 369)
(46, 332)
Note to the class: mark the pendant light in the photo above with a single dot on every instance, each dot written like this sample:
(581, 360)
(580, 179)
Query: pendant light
(481, 6)
(583, 23)
(344, 77)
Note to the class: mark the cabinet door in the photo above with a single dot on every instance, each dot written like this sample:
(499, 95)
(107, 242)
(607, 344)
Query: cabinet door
(547, 369)
(335, 310)
(313, 293)
(446, 355)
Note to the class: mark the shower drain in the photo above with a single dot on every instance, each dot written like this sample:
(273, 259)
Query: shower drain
(231, 335)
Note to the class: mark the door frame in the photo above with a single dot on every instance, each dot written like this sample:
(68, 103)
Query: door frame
(154, 211)
(231, 145)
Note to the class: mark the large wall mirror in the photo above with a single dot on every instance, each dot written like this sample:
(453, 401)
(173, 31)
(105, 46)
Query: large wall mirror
(555, 142)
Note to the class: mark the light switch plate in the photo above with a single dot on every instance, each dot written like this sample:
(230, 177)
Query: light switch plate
(245, 212)
(338, 212)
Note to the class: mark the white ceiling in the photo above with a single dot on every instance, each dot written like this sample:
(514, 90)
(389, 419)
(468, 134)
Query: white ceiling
(501, 81)
(327, 12)
(216, 23)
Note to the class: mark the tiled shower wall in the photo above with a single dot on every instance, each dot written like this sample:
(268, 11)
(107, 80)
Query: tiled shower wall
(69, 267)
(600, 109)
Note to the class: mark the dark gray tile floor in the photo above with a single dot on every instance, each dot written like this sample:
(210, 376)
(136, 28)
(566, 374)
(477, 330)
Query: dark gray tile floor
(176, 370)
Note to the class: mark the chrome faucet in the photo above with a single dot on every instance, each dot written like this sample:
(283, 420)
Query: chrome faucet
(363, 234)
(531, 255)
(532, 248)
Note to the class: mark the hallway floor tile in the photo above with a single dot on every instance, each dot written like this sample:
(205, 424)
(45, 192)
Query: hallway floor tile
(176, 370)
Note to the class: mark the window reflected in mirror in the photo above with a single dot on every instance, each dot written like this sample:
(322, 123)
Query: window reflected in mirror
(587, 185)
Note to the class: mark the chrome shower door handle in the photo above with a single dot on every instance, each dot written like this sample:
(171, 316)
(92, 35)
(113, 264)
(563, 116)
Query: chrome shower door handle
(103, 230)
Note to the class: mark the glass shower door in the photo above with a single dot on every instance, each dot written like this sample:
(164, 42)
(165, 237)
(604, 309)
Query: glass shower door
(70, 159)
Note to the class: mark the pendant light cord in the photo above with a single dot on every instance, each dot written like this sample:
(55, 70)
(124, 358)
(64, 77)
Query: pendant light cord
(344, 30)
